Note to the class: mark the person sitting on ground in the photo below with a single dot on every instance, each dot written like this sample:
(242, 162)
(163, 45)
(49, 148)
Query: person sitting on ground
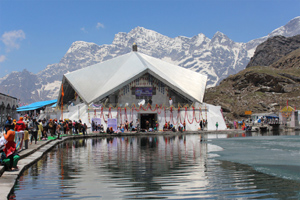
(118, 130)
(156, 126)
(180, 127)
(165, 126)
(122, 129)
(173, 129)
(101, 129)
(107, 130)
(111, 130)
(10, 146)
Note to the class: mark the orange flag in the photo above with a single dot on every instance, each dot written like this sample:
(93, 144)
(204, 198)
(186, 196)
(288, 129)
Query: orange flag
(62, 90)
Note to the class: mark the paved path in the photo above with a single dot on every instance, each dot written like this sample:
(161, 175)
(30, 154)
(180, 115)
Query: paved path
(36, 151)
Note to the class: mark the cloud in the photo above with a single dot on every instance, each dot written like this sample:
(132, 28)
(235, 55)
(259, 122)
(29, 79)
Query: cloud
(83, 30)
(99, 25)
(2, 58)
(11, 39)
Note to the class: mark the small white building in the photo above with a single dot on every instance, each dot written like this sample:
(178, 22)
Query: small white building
(8, 107)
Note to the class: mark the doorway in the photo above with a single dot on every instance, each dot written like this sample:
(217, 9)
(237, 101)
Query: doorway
(151, 118)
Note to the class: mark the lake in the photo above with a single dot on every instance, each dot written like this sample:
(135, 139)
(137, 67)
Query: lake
(224, 166)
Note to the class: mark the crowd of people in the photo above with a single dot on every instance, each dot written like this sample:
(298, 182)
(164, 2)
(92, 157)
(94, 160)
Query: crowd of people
(41, 129)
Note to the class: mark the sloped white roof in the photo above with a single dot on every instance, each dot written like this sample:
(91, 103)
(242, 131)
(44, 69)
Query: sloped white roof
(98, 81)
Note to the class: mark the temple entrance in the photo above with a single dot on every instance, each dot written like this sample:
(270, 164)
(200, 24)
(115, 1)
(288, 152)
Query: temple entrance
(151, 118)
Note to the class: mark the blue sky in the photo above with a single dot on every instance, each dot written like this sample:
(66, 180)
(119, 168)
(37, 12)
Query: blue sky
(36, 33)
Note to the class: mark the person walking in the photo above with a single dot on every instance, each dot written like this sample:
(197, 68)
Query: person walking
(126, 125)
(70, 124)
(59, 126)
(34, 127)
(51, 127)
(40, 130)
(45, 130)
(9, 122)
(201, 125)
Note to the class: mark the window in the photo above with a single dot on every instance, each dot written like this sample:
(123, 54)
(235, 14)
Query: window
(154, 91)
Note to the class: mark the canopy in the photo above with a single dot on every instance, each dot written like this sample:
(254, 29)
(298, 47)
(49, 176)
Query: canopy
(287, 109)
(36, 105)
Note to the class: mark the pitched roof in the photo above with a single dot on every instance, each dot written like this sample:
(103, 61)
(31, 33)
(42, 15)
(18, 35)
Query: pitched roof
(98, 81)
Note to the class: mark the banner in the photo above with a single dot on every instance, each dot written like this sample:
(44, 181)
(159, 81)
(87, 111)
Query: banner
(143, 91)
(112, 122)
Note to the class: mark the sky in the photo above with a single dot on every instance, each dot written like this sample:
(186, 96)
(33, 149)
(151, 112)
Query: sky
(36, 33)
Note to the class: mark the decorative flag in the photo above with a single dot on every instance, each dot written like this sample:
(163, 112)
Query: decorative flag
(62, 90)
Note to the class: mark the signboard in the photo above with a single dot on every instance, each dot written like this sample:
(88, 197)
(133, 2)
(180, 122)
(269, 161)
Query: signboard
(112, 122)
(248, 112)
(143, 91)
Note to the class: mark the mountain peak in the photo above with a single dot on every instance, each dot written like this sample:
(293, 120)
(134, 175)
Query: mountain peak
(219, 34)
(220, 38)
(78, 45)
(290, 29)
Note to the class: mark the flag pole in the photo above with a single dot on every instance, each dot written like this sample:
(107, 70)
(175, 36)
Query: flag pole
(62, 102)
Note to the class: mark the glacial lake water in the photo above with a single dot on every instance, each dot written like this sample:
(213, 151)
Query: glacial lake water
(225, 166)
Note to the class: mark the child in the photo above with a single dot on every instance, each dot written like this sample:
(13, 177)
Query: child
(26, 138)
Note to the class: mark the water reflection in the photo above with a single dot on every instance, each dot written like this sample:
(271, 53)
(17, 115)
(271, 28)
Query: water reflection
(171, 167)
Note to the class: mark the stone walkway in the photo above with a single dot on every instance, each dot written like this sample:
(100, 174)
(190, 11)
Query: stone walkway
(27, 157)
(36, 151)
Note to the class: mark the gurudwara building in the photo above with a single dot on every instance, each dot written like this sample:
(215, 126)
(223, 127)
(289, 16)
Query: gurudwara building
(139, 87)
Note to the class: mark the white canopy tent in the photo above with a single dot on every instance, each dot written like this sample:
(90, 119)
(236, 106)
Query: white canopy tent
(95, 82)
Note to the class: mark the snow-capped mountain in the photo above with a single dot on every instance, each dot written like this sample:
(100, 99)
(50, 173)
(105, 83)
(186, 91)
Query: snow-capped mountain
(217, 57)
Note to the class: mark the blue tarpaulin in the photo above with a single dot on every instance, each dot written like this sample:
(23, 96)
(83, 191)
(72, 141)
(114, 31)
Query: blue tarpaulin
(36, 105)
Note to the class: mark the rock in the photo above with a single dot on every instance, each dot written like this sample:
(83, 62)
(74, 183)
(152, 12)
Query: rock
(263, 104)
(265, 89)
(274, 104)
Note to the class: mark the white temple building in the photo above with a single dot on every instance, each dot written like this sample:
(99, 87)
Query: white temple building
(135, 87)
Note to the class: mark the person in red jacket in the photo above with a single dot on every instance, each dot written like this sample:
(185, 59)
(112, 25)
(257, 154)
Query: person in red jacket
(20, 126)
(10, 146)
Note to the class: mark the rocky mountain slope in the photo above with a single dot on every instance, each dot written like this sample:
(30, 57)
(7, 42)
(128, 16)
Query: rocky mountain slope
(273, 49)
(218, 58)
(260, 88)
